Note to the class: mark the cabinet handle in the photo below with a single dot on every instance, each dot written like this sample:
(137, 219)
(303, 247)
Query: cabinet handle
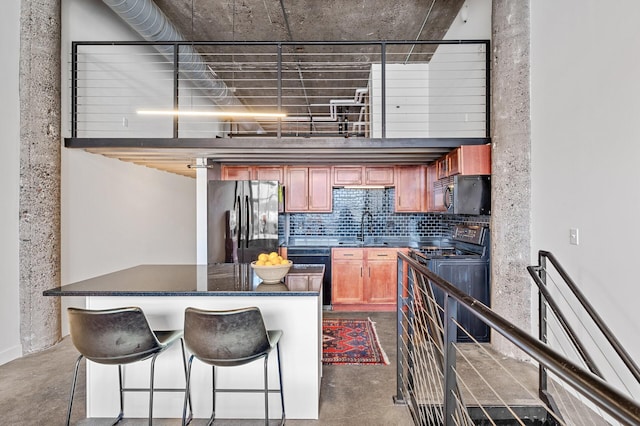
(382, 254)
(348, 254)
(361, 271)
(369, 271)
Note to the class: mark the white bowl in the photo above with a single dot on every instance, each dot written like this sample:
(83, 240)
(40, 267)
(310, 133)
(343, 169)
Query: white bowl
(271, 274)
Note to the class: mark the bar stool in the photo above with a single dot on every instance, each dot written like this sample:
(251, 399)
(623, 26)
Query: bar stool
(117, 337)
(230, 338)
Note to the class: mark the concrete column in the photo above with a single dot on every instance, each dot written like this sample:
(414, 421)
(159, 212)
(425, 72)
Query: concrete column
(511, 186)
(40, 145)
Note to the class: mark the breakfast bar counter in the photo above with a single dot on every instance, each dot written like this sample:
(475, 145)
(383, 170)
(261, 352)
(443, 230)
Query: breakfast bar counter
(164, 292)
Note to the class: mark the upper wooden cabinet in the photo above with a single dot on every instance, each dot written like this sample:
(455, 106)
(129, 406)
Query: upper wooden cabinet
(308, 189)
(253, 173)
(465, 160)
(435, 193)
(237, 173)
(363, 175)
(411, 195)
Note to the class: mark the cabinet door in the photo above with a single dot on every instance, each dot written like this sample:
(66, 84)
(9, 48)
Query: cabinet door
(378, 176)
(319, 189)
(470, 160)
(297, 282)
(346, 282)
(442, 167)
(296, 189)
(269, 173)
(315, 282)
(236, 173)
(347, 278)
(382, 276)
(347, 175)
(410, 189)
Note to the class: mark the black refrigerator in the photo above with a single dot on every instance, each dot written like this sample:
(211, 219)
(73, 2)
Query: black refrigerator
(242, 220)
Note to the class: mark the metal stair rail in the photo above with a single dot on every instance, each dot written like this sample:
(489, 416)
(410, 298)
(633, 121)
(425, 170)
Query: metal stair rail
(550, 305)
(429, 371)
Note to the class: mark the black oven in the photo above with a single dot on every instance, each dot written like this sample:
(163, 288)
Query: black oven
(462, 260)
(315, 255)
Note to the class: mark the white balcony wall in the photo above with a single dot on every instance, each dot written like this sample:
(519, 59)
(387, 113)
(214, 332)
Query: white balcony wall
(407, 94)
(116, 215)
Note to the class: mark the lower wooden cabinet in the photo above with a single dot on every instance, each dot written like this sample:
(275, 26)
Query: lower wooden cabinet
(303, 282)
(364, 278)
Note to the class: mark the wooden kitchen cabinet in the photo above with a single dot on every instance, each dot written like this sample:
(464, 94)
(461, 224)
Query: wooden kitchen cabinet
(410, 189)
(465, 160)
(347, 279)
(380, 283)
(379, 175)
(303, 282)
(308, 189)
(364, 278)
(363, 175)
(268, 173)
(435, 190)
(470, 160)
(253, 173)
(237, 173)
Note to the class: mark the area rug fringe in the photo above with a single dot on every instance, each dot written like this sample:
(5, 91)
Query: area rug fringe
(377, 340)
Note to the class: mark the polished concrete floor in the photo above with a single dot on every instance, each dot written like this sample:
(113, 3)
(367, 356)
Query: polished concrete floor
(34, 389)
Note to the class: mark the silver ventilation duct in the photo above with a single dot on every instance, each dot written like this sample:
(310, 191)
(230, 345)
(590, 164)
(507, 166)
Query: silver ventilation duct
(148, 20)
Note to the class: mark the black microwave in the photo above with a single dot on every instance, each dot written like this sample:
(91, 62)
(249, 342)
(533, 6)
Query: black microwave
(469, 194)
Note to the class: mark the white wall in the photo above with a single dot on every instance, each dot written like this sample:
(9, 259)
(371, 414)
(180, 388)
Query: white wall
(115, 214)
(585, 110)
(10, 346)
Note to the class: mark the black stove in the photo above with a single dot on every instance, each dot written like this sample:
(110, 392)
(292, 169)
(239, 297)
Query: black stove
(467, 241)
(462, 260)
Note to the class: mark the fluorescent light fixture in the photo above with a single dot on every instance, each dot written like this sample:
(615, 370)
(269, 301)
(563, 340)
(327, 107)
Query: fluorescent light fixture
(213, 113)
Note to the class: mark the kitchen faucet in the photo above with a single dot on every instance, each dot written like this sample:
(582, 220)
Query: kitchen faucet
(364, 215)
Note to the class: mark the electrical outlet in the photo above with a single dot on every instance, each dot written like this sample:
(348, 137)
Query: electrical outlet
(573, 236)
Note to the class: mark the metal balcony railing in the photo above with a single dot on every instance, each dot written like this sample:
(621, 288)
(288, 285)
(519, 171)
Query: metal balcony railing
(450, 383)
(400, 89)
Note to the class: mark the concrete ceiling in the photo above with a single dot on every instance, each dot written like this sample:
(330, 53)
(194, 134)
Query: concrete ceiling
(311, 20)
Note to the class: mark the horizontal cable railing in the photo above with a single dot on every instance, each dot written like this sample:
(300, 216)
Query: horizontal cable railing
(402, 89)
(444, 381)
(571, 325)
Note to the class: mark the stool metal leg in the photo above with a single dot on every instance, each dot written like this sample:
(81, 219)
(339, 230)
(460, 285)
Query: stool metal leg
(281, 388)
(213, 396)
(73, 388)
(151, 380)
(187, 394)
(266, 390)
(121, 382)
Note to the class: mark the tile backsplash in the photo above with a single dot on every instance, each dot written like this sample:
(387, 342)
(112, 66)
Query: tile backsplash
(349, 205)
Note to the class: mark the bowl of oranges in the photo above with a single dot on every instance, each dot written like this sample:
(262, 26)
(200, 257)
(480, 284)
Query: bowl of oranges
(271, 267)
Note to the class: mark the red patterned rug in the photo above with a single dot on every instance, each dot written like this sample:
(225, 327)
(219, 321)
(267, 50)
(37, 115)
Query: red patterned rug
(351, 342)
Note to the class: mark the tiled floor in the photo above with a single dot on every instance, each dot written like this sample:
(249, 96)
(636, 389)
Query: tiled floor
(34, 390)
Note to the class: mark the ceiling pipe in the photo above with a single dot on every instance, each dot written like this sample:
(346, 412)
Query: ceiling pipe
(152, 24)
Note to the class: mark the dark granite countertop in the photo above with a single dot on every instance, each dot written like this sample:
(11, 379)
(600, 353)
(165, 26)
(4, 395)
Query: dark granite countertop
(224, 279)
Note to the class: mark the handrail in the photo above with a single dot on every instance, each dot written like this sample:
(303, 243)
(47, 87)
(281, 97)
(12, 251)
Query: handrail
(572, 335)
(606, 332)
(609, 399)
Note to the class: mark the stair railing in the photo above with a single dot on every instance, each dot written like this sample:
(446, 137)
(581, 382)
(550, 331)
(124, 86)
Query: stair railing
(539, 273)
(595, 389)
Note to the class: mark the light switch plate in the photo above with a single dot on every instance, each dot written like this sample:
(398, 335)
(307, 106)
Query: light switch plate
(573, 236)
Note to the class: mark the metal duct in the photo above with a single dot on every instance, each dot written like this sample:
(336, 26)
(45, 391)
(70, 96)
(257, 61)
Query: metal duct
(153, 25)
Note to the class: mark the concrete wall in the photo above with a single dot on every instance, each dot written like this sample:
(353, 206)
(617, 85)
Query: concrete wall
(10, 346)
(114, 214)
(585, 149)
